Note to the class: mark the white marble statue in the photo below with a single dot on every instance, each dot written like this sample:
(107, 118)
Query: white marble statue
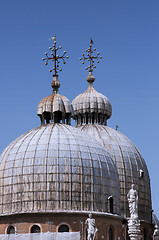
(133, 203)
(156, 233)
(91, 228)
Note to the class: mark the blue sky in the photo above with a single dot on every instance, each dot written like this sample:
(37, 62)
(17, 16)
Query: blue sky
(125, 32)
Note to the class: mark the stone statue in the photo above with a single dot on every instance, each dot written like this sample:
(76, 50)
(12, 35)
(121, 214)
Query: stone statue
(91, 228)
(156, 233)
(133, 203)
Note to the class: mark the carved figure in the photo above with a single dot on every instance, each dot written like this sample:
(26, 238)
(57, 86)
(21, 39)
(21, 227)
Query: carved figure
(156, 233)
(91, 228)
(133, 203)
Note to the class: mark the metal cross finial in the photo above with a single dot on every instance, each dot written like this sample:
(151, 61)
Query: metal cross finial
(90, 57)
(55, 57)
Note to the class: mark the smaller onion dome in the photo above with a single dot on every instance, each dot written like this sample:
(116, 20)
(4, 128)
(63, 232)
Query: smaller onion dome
(55, 108)
(91, 106)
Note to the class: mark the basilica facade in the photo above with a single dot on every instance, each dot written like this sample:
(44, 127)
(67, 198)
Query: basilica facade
(54, 176)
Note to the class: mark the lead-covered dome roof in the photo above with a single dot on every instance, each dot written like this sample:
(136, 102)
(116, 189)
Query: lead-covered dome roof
(155, 221)
(55, 108)
(54, 168)
(130, 165)
(91, 106)
(55, 103)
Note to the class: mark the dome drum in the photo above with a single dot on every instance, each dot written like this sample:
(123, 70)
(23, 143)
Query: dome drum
(56, 117)
(75, 222)
(90, 118)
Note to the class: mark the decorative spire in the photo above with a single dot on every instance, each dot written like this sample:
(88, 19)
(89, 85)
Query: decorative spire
(90, 57)
(55, 108)
(55, 58)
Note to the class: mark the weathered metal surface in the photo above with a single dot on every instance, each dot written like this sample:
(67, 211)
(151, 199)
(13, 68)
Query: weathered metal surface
(155, 220)
(56, 168)
(53, 103)
(92, 101)
(90, 57)
(55, 58)
(129, 163)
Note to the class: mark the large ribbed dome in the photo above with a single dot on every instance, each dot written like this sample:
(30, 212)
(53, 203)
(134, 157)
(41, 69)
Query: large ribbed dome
(56, 168)
(130, 165)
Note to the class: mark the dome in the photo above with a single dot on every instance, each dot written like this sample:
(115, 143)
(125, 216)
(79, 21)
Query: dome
(56, 168)
(55, 103)
(130, 165)
(91, 106)
(155, 220)
(55, 107)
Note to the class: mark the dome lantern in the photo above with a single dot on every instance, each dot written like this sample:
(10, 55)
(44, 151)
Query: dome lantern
(91, 107)
(55, 108)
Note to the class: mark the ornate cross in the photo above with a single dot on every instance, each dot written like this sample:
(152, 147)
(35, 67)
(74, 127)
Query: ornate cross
(90, 57)
(55, 57)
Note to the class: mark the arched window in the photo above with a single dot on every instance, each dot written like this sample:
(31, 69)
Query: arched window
(111, 234)
(141, 173)
(111, 204)
(35, 229)
(11, 230)
(63, 228)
